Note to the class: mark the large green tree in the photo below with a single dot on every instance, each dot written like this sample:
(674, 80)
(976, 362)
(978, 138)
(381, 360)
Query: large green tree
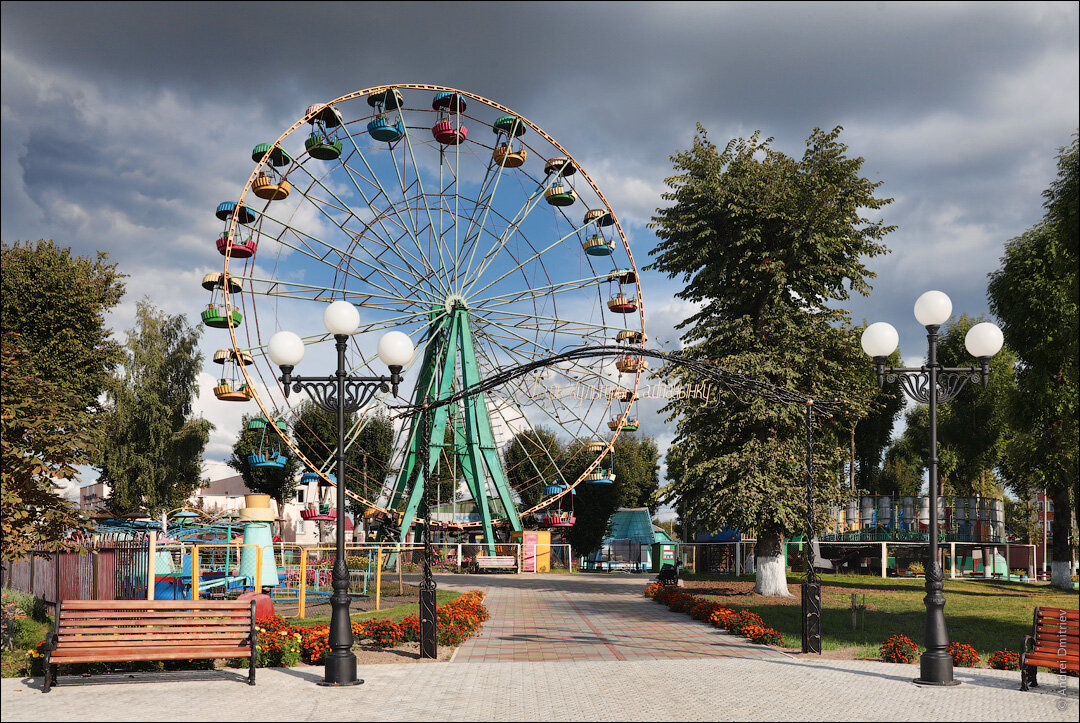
(57, 303)
(972, 427)
(58, 354)
(44, 436)
(278, 482)
(152, 452)
(872, 434)
(1035, 296)
(766, 245)
(531, 461)
(367, 451)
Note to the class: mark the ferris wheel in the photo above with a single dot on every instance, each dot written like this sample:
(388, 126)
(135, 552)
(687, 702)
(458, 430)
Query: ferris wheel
(447, 216)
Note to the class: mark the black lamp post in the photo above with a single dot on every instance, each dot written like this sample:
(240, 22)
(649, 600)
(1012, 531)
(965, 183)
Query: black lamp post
(340, 393)
(932, 384)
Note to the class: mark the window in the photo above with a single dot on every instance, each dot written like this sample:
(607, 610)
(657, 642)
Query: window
(300, 496)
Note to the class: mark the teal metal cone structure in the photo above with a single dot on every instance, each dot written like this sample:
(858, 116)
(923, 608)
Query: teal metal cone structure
(450, 365)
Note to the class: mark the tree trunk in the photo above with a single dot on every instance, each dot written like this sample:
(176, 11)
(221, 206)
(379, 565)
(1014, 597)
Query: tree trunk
(770, 578)
(1061, 559)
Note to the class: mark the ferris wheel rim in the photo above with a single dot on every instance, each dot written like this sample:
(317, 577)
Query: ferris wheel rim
(364, 93)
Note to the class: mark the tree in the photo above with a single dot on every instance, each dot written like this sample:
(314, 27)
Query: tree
(873, 433)
(57, 303)
(367, 450)
(45, 434)
(531, 461)
(152, 455)
(278, 482)
(765, 244)
(1035, 296)
(636, 468)
(972, 426)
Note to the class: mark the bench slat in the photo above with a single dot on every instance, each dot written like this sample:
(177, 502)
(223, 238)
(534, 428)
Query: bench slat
(171, 629)
(122, 615)
(116, 655)
(1056, 612)
(149, 622)
(151, 642)
(154, 605)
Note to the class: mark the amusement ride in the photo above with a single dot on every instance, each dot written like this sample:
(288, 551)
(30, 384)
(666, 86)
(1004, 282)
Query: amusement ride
(449, 217)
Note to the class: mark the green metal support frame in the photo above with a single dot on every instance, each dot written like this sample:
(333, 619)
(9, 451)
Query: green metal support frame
(450, 350)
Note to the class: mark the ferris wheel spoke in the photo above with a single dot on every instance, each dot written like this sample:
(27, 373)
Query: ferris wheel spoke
(520, 265)
(343, 253)
(536, 292)
(407, 137)
(533, 320)
(343, 207)
(474, 229)
(311, 292)
(489, 256)
(409, 228)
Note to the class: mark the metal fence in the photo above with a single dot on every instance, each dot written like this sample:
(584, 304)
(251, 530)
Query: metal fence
(879, 558)
(109, 568)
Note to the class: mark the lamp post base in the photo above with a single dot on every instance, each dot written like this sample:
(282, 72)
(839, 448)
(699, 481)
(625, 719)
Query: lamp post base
(936, 670)
(936, 683)
(340, 670)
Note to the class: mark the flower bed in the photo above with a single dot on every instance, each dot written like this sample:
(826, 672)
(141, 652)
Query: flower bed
(737, 622)
(1004, 660)
(455, 623)
(899, 649)
(963, 655)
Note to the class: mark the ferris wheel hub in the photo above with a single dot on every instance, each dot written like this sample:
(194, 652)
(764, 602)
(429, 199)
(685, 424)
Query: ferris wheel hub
(455, 301)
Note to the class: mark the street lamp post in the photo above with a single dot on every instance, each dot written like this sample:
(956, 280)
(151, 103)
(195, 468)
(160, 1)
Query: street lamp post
(932, 384)
(340, 393)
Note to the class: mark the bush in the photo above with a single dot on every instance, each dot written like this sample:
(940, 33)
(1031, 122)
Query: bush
(899, 649)
(763, 635)
(1004, 660)
(963, 655)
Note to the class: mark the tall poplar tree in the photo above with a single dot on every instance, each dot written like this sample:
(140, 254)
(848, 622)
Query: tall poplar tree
(766, 245)
(152, 454)
(1035, 295)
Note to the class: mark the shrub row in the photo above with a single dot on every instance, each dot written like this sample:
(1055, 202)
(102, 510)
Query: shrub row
(902, 649)
(738, 622)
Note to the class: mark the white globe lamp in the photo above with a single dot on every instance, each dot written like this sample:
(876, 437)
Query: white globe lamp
(395, 349)
(341, 318)
(933, 308)
(984, 340)
(880, 339)
(285, 349)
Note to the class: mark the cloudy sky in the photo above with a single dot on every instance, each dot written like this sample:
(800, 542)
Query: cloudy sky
(124, 125)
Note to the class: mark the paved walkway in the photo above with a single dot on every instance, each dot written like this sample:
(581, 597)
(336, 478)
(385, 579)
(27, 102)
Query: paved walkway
(619, 657)
(586, 617)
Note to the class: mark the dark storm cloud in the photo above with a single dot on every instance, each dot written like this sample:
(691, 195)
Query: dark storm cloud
(125, 124)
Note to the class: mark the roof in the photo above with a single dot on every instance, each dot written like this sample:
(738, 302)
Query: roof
(635, 523)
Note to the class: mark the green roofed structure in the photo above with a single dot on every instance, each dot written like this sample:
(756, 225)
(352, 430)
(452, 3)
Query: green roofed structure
(633, 543)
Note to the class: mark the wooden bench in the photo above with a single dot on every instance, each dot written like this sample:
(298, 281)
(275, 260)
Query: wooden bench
(1053, 644)
(495, 562)
(97, 631)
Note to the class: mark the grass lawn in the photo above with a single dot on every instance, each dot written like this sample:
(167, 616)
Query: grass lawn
(393, 613)
(988, 615)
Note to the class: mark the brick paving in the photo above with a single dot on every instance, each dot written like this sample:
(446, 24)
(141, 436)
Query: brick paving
(610, 655)
(587, 617)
